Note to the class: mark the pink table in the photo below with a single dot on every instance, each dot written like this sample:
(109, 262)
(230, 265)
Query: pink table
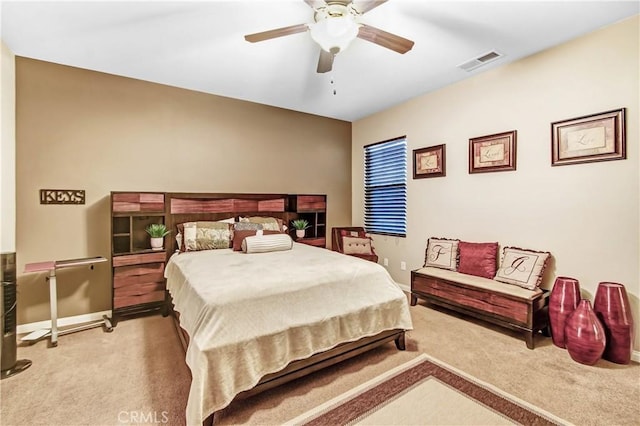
(51, 267)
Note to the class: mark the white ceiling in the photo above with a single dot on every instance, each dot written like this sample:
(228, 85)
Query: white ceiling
(200, 45)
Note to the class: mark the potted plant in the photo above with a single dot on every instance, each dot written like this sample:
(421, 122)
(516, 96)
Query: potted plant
(157, 231)
(300, 225)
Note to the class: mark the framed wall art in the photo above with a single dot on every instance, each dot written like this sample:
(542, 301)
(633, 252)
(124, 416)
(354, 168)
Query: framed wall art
(493, 153)
(429, 162)
(596, 137)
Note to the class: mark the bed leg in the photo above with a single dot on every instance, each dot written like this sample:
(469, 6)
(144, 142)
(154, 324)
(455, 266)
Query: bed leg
(209, 420)
(400, 342)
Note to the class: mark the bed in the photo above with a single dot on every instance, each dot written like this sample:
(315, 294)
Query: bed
(254, 321)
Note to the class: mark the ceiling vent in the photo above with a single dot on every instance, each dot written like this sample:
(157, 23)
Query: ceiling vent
(481, 60)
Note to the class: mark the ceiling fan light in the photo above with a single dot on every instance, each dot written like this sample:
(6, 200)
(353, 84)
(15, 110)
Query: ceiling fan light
(334, 33)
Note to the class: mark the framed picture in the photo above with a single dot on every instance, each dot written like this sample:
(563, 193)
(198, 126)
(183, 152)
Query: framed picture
(493, 153)
(597, 137)
(429, 162)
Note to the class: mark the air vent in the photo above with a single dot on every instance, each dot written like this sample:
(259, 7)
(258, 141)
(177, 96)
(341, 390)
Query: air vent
(481, 60)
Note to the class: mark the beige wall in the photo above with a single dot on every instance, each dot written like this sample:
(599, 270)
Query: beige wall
(7, 150)
(78, 129)
(586, 215)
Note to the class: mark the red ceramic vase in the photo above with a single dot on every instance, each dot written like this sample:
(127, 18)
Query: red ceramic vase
(584, 334)
(611, 305)
(563, 300)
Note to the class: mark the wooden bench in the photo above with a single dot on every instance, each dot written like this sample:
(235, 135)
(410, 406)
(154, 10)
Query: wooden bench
(503, 304)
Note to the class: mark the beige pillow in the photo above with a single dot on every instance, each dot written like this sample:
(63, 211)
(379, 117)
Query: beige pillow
(205, 235)
(522, 267)
(267, 243)
(442, 253)
(356, 245)
(268, 223)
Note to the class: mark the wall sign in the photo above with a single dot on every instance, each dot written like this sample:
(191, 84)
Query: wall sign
(62, 196)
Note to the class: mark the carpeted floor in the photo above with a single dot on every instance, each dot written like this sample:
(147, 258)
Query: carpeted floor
(136, 375)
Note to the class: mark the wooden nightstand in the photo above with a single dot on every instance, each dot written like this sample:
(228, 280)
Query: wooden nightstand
(318, 242)
(138, 271)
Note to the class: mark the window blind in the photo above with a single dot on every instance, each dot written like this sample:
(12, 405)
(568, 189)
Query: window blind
(385, 187)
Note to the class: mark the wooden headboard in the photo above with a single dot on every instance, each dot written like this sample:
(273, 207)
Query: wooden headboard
(191, 207)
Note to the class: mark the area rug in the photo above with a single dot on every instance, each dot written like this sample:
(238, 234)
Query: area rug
(426, 391)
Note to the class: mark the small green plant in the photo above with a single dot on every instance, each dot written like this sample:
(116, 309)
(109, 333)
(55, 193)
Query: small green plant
(157, 230)
(300, 224)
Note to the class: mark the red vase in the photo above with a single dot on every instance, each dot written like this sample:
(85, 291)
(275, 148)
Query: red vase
(563, 300)
(612, 308)
(584, 334)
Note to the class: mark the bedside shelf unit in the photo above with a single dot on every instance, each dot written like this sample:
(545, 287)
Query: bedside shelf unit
(138, 283)
(313, 208)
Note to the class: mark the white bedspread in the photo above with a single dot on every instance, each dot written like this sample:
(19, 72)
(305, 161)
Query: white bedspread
(249, 315)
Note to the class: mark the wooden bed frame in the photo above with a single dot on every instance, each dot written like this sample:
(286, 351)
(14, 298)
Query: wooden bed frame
(185, 207)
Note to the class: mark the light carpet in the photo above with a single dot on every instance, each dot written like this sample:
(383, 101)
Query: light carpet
(426, 391)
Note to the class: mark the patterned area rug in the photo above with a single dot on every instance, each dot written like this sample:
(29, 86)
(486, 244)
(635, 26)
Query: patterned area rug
(426, 391)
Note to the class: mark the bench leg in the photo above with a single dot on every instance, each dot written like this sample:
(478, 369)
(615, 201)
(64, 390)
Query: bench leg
(529, 339)
(414, 300)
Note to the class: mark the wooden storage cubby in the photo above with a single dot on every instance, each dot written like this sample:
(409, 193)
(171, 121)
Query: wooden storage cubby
(313, 208)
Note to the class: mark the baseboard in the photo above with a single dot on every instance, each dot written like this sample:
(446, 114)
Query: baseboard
(62, 322)
(405, 288)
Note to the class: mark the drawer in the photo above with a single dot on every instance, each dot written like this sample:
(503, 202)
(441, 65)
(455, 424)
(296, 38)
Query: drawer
(134, 259)
(122, 301)
(139, 289)
(138, 274)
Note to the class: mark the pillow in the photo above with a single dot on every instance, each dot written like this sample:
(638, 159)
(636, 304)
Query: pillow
(267, 243)
(479, 259)
(345, 233)
(239, 236)
(522, 267)
(442, 253)
(356, 245)
(268, 223)
(246, 226)
(204, 235)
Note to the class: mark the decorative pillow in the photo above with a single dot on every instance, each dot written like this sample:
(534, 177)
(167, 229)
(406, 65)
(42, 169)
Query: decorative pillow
(246, 226)
(356, 245)
(267, 243)
(479, 259)
(239, 236)
(345, 233)
(268, 223)
(442, 253)
(522, 267)
(204, 235)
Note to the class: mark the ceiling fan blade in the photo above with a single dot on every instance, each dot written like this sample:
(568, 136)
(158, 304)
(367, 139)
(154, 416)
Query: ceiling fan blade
(364, 6)
(315, 4)
(325, 62)
(384, 39)
(279, 32)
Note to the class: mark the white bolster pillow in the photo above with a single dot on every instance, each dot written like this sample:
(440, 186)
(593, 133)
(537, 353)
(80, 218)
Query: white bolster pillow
(267, 243)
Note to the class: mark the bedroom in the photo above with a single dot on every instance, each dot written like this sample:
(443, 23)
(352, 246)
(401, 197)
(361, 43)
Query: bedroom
(83, 129)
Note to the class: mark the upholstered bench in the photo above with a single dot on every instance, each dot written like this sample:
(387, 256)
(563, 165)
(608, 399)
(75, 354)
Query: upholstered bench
(506, 305)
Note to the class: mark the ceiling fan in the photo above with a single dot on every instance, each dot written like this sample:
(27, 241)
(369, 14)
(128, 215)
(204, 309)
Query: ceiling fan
(336, 24)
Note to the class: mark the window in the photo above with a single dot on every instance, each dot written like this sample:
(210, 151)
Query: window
(385, 187)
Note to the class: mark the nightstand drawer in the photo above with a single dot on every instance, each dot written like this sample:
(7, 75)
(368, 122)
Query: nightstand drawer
(134, 259)
(139, 296)
(134, 274)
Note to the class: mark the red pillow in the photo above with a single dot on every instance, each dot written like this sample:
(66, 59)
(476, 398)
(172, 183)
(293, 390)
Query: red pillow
(359, 233)
(479, 259)
(239, 236)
